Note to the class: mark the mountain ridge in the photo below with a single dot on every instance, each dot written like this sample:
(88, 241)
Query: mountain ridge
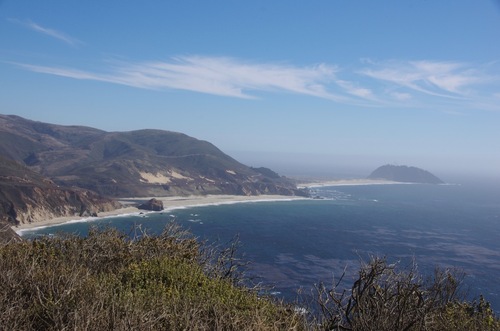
(62, 168)
(137, 163)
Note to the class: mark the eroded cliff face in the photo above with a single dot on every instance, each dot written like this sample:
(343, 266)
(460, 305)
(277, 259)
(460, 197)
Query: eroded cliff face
(27, 197)
(27, 204)
(33, 204)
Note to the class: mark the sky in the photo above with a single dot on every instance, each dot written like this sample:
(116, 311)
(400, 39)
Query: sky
(334, 86)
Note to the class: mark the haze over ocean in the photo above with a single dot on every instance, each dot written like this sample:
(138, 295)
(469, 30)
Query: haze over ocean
(294, 244)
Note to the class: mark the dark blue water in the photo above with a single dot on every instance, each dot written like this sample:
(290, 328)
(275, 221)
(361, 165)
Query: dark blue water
(295, 244)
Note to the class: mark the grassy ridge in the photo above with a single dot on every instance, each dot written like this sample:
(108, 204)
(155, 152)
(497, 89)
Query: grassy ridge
(108, 281)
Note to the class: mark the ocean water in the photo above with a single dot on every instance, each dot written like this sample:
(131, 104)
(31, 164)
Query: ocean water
(296, 244)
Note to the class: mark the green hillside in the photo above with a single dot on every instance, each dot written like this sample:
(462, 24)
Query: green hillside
(135, 163)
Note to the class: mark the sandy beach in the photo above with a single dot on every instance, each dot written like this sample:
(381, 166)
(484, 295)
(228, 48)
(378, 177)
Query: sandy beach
(169, 203)
(347, 182)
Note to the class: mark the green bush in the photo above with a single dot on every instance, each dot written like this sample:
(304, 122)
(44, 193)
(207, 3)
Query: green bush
(112, 281)
(109, 282)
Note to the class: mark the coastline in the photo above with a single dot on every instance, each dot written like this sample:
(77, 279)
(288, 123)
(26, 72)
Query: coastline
(169, 203)
(178, 202)
(348, 182)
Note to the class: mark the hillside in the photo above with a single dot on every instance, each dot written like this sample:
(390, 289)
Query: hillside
(136, 163)
(404, 174)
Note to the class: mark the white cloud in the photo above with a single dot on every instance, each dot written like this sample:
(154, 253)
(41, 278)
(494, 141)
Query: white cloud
(355, 90)
(212, 75)
(49, 32)
(400, 96)
(441, 79)
(417, 84)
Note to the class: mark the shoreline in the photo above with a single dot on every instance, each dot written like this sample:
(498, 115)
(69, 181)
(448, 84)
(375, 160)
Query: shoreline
(180, 202)
(169, 203)
(348, 182)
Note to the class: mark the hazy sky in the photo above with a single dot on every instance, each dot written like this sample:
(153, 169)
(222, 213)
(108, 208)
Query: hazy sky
(332, 83)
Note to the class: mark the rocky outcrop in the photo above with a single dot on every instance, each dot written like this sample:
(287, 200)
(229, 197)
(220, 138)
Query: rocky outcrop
(153, 205)
(404, 174)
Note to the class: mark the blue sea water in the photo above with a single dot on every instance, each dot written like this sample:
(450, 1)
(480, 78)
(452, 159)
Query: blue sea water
(296, 244)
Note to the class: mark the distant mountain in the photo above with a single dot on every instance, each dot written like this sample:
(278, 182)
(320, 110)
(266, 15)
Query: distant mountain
(132, 164)
(404, 174)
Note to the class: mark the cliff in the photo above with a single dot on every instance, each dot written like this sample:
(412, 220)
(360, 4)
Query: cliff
(26, 197)
(49, 171)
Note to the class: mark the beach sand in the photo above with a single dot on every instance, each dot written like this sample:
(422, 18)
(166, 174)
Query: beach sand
(347, 182)
(169, 203)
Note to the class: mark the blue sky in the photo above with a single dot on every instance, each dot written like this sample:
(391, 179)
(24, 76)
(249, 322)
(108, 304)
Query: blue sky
(341, 86)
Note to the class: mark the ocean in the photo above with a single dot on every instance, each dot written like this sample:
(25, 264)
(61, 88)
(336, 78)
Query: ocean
(295, 244)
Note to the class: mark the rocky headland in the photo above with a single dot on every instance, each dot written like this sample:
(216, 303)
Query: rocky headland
(50, 171)
(405, 174)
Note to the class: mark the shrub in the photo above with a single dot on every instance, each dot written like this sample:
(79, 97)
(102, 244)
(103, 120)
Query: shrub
(385, 298)
(108, 281)
(113, 281)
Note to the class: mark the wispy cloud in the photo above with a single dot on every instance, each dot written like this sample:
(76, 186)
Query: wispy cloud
(434, 84)
(390, 83)
(49, 32)
(212, 75)
(356, 90)
(436, 78)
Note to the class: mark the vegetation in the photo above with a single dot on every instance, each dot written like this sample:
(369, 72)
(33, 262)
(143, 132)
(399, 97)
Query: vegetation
(107, 281)
(114, 281)
(385, 298)
(113, 164)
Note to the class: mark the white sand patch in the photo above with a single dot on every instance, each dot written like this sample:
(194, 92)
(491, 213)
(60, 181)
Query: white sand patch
(177, 175)
(207, 179)
(154, 178)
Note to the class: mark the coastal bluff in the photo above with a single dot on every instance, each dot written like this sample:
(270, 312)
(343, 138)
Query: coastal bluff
(404, 174)
(49, 171)
(28, 197)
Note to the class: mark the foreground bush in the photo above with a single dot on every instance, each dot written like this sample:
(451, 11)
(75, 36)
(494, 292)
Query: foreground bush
(385, 298)
(107, 281)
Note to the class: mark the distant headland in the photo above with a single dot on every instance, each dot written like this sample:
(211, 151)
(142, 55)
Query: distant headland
(406, 174)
